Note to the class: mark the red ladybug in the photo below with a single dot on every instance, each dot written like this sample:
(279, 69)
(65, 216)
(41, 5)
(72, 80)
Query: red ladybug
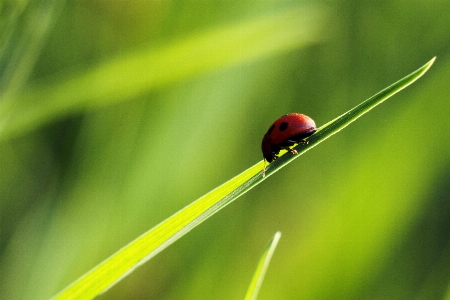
(287, 131)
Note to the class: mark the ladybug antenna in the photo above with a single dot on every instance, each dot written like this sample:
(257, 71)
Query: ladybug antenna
(264, 168)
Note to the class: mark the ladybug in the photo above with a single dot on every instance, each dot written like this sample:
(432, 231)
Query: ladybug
(287, 131)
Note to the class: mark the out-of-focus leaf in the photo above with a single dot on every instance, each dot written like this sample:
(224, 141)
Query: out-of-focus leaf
(258, 277)
(136, 73)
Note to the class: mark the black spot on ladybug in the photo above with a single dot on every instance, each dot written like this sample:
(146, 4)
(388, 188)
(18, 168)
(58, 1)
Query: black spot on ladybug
(283, 126)
(270, 129)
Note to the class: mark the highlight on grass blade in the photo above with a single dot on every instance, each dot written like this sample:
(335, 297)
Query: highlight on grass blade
(261, 270)
(149, 244)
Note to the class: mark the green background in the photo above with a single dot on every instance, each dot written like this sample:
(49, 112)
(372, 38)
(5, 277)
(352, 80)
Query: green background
(364, 216)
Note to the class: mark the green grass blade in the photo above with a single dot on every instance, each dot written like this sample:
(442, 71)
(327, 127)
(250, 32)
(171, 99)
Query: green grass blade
(345, 119)
(137, 73)
(260, 272)
(158, 238)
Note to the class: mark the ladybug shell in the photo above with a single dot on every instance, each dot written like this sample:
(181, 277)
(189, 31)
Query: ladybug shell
(287, 131)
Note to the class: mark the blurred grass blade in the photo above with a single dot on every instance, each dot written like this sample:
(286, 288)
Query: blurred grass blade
(158, 238)
(134, 74)
(260, 272)
(21, 40)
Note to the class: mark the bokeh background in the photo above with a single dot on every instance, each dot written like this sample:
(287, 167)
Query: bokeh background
(366, 215)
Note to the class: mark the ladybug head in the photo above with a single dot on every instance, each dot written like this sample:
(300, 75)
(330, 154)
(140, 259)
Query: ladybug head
(269, 153)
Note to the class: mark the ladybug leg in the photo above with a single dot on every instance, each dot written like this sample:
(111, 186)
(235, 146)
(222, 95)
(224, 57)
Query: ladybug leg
(291, 142)
(293, 151)
(287, 146)
(264, 167)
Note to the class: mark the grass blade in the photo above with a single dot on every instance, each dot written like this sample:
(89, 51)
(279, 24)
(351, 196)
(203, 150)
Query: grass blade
(123, 262)
(260, 272)
(336, 125)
